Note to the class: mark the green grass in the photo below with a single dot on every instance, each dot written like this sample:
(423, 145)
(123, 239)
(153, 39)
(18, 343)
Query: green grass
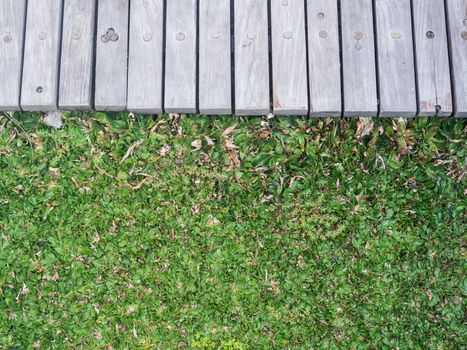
(125, 232)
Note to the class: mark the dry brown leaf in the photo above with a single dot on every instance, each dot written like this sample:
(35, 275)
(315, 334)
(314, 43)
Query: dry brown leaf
(130, 150)
(197, 144)
(364, 127)
(229, 130)
(139, 185)
(209, 140)
(235, 157)
(54, 171)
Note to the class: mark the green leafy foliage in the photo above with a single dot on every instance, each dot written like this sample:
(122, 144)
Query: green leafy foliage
(131, 232)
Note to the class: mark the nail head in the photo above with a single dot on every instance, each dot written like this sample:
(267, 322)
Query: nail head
(180, 36)
(288, 34)
(7, 38)
(396, 35)
(323, 34)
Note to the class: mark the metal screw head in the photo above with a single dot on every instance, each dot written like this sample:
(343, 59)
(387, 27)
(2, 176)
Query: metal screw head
(215, 35)
(464, 35)
(321, 15)
(465, 22)
(358, 46)
(251, 36)
(39, 89)
(76, 35)
(358, 35)
(146, 4)
(430, 34)
(180, 36)
(287, 34)
(7, 38)
(147, 36)
(105, 38)
(42, 35)
(285, 2)
(396, 35)
(323, 34)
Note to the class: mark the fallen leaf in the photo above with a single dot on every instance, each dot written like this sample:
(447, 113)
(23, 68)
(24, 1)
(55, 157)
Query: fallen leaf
(229, 130)
(197, 144)
(130, 150)
(164, 150)
(54, 171)
(364, 127)
(209, 140)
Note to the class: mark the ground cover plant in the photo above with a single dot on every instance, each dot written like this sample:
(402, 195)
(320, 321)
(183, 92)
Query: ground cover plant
(130, 232)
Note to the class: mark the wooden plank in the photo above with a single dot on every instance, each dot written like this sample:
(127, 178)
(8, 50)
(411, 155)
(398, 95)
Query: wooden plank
(431, 51)
(145, 60)
(251, 58)
(395, 56)
(41, 55)
(358, 59)
(180, 68)
(111, 55)
(289, 71)
(215, 96)
(324, 58)
(12, 19)
(457, 25)
(77, 58)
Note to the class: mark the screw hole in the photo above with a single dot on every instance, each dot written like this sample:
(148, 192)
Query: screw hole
(437, 109)
(430, 34)
(39, 89)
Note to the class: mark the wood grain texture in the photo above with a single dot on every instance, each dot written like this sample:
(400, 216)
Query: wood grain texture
(431, 51)
(251, 58)
(180, 67)
(457, 24)
(324, 58)
(41, 55)
(111, 55)
(289, 71)
(145, 56)
(12, 20)
(358, 59)
(77, 58)
(215, 96)
(395, 59)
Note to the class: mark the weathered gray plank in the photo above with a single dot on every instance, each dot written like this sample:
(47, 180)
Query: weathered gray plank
(251, 58)
(358, 56)
(324, 58)
(214, 57)
(289, 72)
(77, 58)
(41, 55)
(145, 56)
(395, 59)
(111, 55)
(180, 67)
(12, 17)
(431, 51)
(457, 24)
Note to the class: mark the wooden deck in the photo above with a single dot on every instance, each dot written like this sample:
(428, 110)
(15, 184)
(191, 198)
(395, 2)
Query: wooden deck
(388, 58)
